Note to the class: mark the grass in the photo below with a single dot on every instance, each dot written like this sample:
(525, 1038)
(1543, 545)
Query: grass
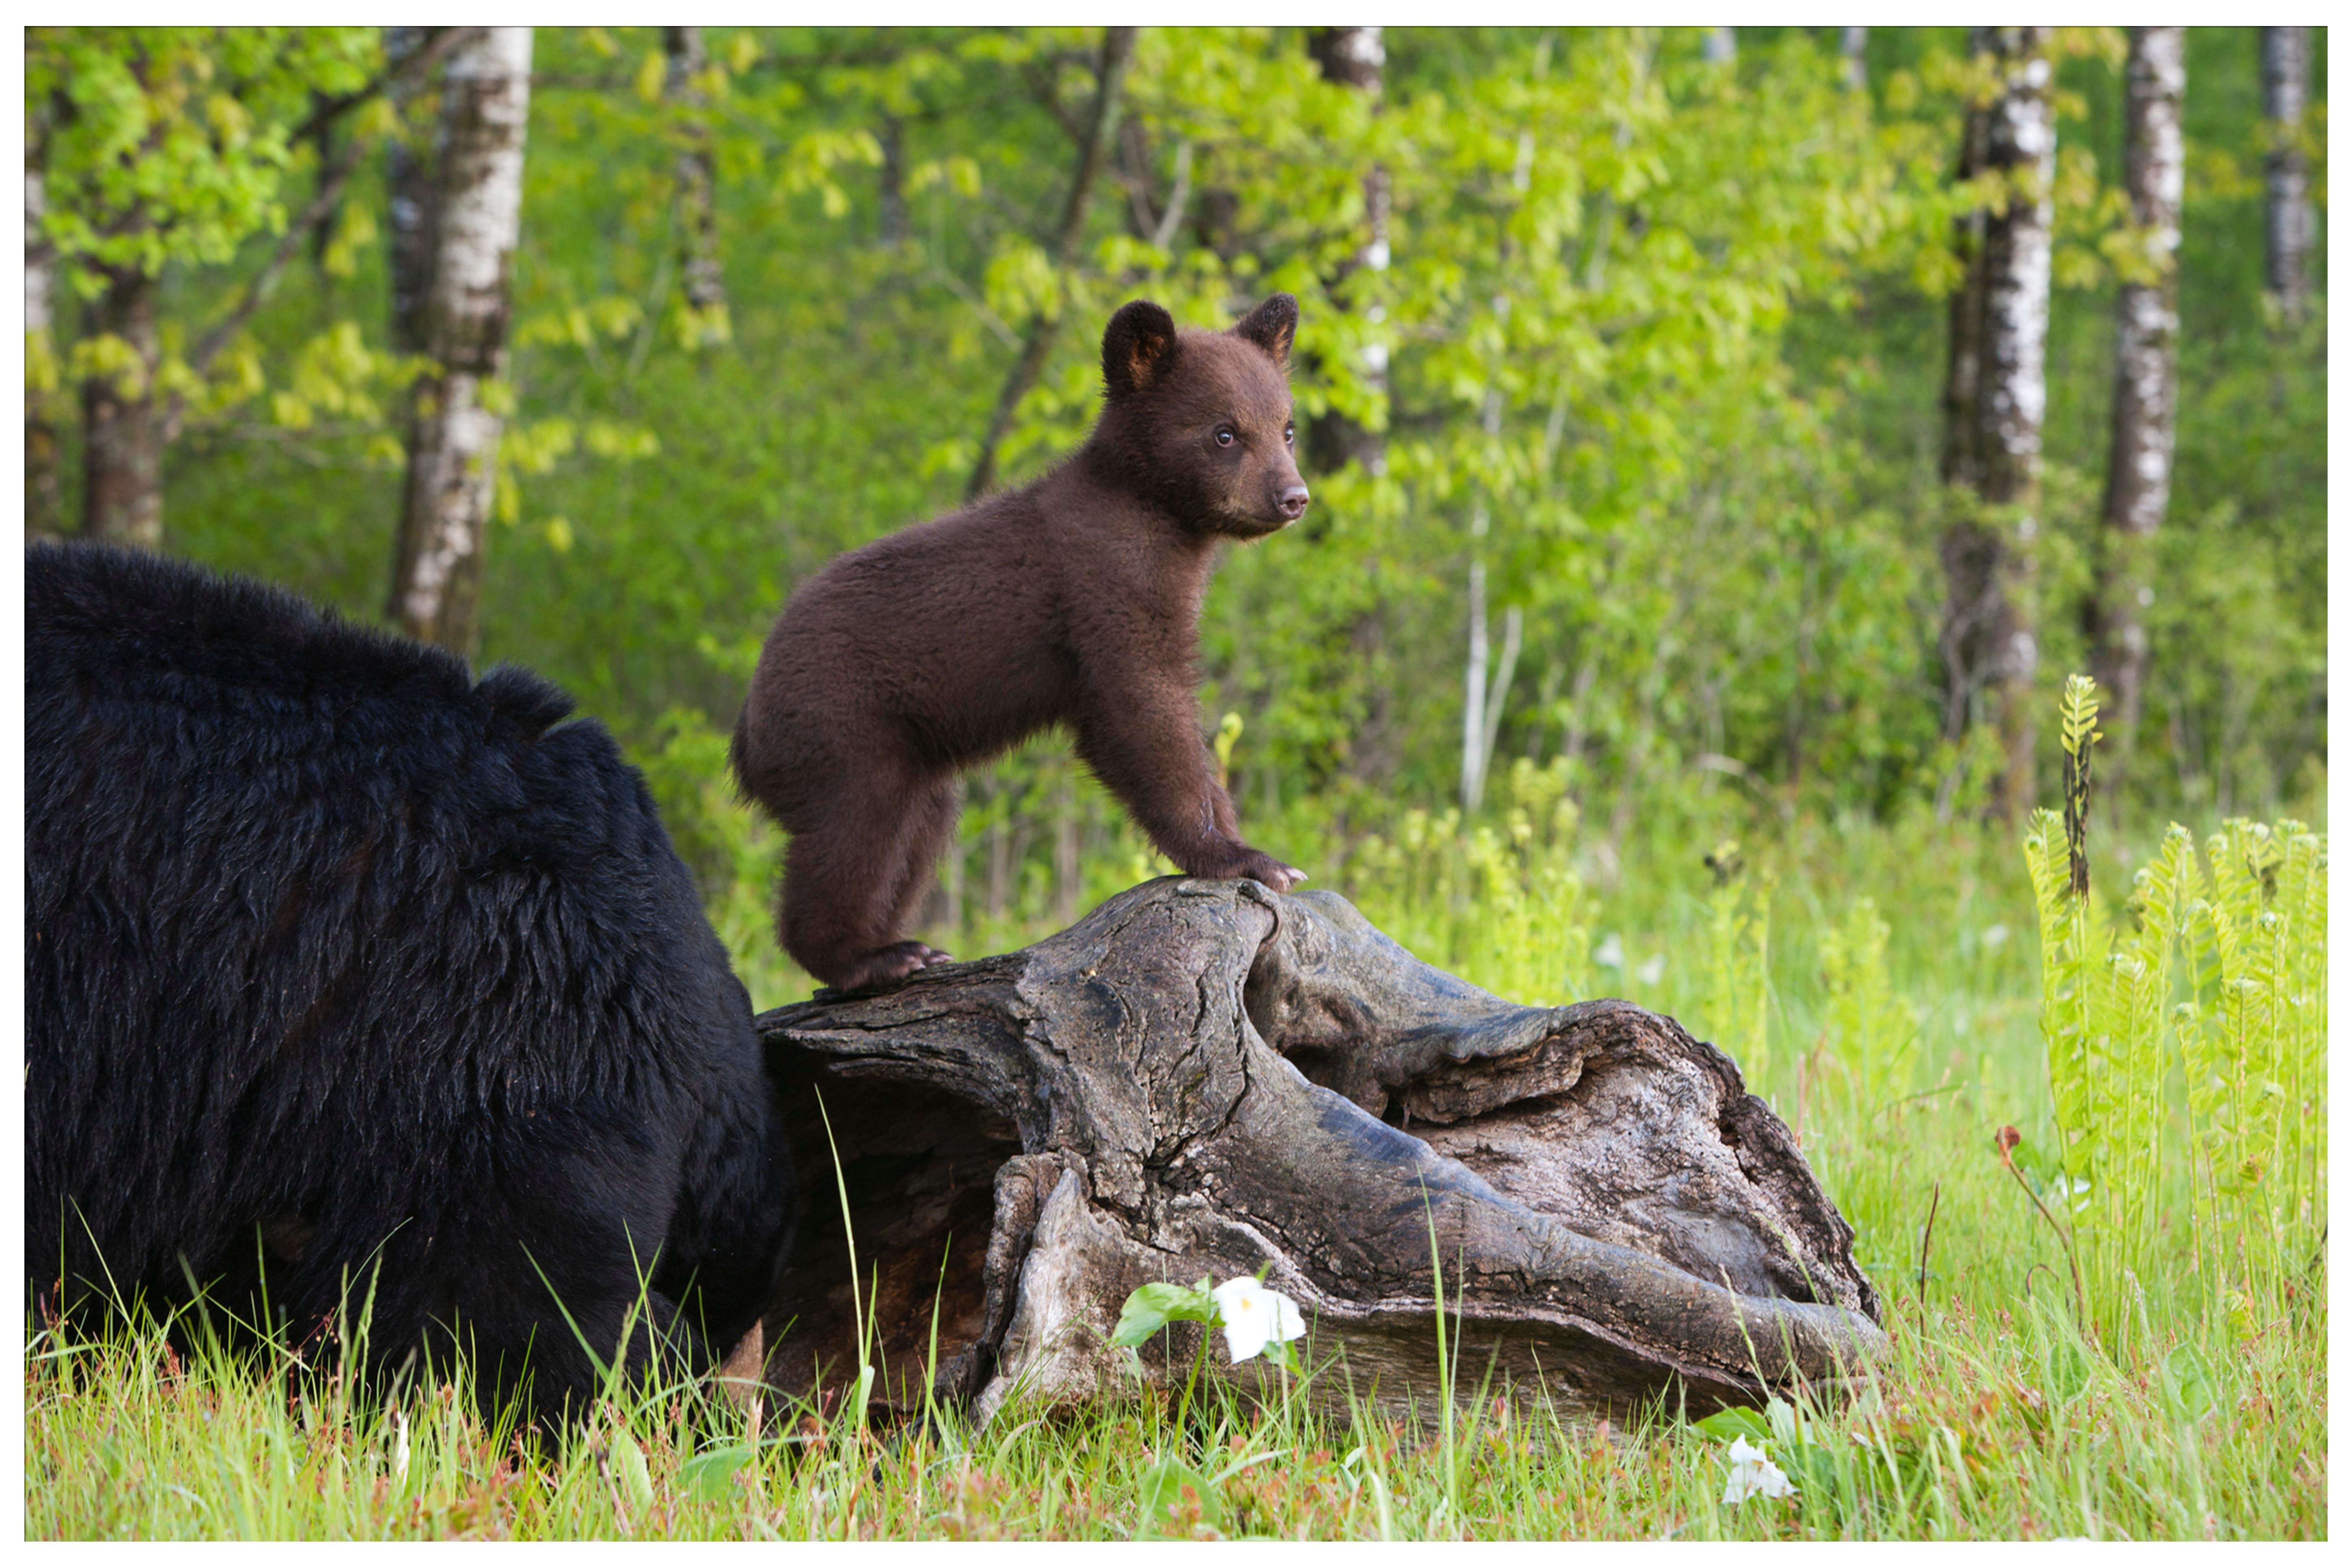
(1897, 1037)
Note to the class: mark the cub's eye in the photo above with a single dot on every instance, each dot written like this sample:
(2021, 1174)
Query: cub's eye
(1224, 435)
(1286, 432)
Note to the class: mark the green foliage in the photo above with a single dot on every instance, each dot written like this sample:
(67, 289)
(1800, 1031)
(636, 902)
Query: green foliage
(1872, 1032)
(2217, 984)
(1507, 906)
(1703, 306)
(1739, 923)
(172, 144)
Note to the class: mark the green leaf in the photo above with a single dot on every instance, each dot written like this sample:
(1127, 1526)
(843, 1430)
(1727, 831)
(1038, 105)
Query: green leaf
(1164, 1487)
(1152, 1307)
(1736, 1421)
(2190, 1383)
(629, 1466)
(708, 1476)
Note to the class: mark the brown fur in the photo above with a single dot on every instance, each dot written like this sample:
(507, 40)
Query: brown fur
(1073, 600)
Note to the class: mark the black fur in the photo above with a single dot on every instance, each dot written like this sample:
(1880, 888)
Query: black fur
(336, 957)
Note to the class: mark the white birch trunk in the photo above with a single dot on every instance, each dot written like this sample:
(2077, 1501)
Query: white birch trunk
(1474, 674)
(454, 435)
(2021, 141)
(2148, 331)
(2287, 223)
(1854, 43)
(703, 284)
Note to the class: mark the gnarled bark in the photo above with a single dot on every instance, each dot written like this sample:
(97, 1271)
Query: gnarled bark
(1207, 1078)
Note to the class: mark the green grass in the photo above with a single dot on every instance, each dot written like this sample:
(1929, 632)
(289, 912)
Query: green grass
(1898, 1038)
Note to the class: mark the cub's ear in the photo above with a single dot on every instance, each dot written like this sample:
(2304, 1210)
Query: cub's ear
(1271, 326)
(1139, 348)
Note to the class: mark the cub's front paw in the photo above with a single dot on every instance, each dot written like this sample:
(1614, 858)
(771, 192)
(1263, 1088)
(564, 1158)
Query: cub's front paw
(1263, 868)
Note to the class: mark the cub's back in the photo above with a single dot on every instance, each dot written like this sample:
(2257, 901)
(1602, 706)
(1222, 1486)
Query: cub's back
(953, 628)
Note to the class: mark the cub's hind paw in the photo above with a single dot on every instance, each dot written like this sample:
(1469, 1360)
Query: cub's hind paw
(885, 966)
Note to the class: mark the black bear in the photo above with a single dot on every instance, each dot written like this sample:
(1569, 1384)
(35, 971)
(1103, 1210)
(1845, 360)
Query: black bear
(343, 970)
(1073, 600)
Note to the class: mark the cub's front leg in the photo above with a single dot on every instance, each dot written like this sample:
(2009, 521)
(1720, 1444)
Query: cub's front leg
(1140, 733)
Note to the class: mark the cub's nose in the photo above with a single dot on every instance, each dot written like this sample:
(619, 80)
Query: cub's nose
(1293, 504)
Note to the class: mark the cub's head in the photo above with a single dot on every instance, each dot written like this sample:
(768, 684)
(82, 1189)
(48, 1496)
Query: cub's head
(1199, 422)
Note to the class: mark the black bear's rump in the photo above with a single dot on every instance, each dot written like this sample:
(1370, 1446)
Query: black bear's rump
(343, 967)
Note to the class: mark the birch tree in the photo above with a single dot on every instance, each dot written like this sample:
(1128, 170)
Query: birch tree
(1995, 399)
(408, 174)
(2147, 331)
(702, 285)
(1483, 694)
(1853, 44)
(457, 414)
(1355, 57)
(2287, 226)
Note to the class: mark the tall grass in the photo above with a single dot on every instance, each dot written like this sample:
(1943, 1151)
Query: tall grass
(1879, 982)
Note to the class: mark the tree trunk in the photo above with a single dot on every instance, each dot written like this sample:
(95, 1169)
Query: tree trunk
(1474, 675)
(2022, 143)
(1994, 399)
(703, 284)
(1206, 1078)
(1355, 57)
(1960, 464)
(453, 433)
(122, 432)
(1484, 689)
(409, 178)
(893, 228)
(1117, 49)
(1854, 43)
(44, 502)
(2148, 329)
(1721, 46)
(2287, 223)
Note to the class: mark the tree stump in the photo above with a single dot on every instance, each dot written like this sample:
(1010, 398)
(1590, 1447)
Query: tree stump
(1210, 1079)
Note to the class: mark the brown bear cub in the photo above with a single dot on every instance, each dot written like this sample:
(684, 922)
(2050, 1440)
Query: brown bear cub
(1073, 600)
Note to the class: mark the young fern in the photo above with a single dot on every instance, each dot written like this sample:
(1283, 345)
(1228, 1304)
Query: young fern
(2250, 1040)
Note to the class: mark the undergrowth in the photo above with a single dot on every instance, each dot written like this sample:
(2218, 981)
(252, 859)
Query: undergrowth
(2108, 1321)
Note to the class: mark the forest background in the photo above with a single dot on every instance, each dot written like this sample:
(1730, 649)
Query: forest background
(1623, 367)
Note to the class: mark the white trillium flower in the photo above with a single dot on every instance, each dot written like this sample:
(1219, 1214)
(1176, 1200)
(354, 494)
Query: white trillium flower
(1752, 1472)
(1254, 1317)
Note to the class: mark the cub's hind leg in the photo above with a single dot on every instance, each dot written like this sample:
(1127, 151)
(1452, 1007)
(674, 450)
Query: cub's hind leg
(930, 826)
(846, 877)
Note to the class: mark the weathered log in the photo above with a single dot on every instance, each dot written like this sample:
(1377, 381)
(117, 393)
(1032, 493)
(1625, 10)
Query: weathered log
(1208, 1078)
